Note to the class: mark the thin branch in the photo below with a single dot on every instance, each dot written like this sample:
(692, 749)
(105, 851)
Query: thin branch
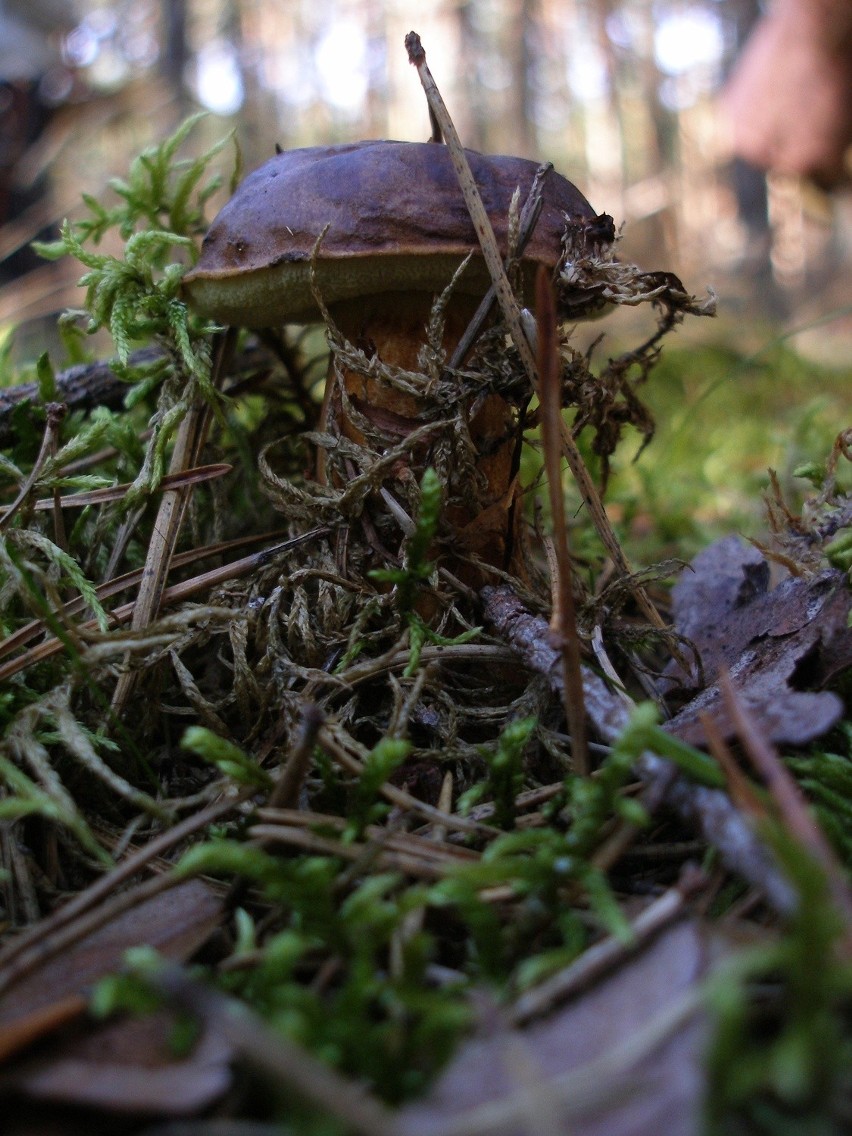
(526, 227)
(191, 436)
(511, 314)
(604, 956)
(56, 412)
(287, 788)
(564, 621)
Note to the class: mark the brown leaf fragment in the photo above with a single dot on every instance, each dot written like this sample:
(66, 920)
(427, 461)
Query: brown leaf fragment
(786, 716)
(21, 1032)
(724, 577)
(176, 922)
(624, 1059)
(777, 644)
(128, 1066)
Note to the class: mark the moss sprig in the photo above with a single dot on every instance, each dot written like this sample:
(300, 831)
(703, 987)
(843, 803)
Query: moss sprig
(781, 1054)
(418, 567)
(133, 298)
(388, 1026)
(159, 216)
(541, 866)
(160, 192)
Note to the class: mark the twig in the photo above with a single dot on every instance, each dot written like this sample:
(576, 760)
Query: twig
(511, 314)
(526, 227)
(56, 411)
(191, 436)
(483, 653)
(334, 748)
(286, 790)
(81, 387)
(88, 385)
(445, 804)
(417, 856)
(474, 203)
(424, 842)
(103, 496)
(603, 956)
(564, 620)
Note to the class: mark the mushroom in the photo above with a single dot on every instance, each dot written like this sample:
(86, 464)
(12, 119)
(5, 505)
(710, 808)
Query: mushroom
(394, 229)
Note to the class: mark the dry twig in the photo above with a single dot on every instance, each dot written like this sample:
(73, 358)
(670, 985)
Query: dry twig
(511, 314)
(564, 620)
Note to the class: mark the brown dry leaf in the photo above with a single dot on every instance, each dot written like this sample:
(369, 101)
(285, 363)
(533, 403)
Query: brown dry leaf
(128, 1067)
(773, 643)
(624, 1059)
(176, 922)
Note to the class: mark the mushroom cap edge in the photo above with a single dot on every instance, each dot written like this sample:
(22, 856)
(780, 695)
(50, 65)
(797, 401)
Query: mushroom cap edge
(393, 219)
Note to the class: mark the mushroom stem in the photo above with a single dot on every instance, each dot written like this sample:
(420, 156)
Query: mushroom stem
(394, 332)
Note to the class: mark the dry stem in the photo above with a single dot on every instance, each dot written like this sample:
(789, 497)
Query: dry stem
(511, 314)
(564, 620)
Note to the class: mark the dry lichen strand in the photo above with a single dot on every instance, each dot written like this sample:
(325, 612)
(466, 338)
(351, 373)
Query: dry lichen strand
(296, 625)
(386, 421)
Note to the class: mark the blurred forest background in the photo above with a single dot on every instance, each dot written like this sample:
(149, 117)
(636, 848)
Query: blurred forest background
(619, 94)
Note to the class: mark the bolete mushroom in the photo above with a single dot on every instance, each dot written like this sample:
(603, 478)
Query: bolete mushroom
(394, 229)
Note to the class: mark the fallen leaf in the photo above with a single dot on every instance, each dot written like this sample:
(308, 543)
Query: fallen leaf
(176, 922)
(128, 1066)
(623, 1059)
(123, 1066)
(773, 642)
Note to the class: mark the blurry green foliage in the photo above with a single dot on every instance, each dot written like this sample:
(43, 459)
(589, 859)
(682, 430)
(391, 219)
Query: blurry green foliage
(723, 420)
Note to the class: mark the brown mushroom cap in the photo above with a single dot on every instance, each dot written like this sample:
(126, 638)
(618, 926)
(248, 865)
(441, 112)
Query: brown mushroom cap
(396, 221)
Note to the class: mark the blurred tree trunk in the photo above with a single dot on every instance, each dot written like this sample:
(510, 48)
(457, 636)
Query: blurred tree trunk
(523, 55)
(175, 53)
(751, 192)
(23, 116)
(749, 182)
(378, 86)
(473, 118)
